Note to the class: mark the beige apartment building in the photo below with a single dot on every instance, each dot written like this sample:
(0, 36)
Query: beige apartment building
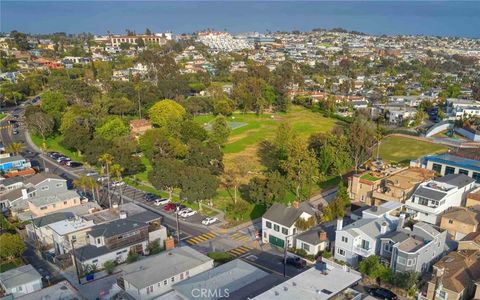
(460, 221)
(42, 206)
(473, 198)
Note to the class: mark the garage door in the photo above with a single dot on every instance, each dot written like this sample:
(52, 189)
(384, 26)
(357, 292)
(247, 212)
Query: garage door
(276, 241)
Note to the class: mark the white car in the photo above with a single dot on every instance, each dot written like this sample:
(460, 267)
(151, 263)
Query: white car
(188, 212)
(209, 221)
(102, 179)
(90, 174)
(117, 183)
(162, 201)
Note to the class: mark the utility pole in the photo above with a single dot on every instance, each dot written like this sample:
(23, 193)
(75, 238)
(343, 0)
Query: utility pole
(35, 233)
(178, 230)
(285, 254)
(75, 262)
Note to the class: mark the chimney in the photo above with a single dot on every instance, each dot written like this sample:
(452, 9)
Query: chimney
(123, 214)
(401, 222)
(383, 228)
(322, 235)
(24, 194)
(296, 204)
(339, 224)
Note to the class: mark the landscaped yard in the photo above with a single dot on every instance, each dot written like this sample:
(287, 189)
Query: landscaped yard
(399, 149)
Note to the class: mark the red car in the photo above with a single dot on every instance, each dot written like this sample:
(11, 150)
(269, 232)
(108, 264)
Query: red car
(169, 207)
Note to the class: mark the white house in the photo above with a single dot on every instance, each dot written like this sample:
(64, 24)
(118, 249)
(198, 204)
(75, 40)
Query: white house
(361, 238)
(153, 276)
(278, 223)
(21, 281)
(313, 241)
(433, 197)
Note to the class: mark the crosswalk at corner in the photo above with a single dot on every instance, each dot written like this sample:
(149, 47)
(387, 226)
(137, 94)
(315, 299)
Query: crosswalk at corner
(201, 238)
(240, 237)
(239, 251)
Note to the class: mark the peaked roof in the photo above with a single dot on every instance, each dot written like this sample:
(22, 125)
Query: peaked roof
(286, 216)
(458, 180)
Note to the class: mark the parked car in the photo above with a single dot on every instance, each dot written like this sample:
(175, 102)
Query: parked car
(74, 164)
(382, 293)
(188, 213)
(63, 158)
(15, 132)
(208, 221)
(117, 183)
(150, 197)
(181, 210)
(161, 201)
(91, 174)
(180, 207)
(63, 162)
(296, 262)
(102, 179)
(169, 207)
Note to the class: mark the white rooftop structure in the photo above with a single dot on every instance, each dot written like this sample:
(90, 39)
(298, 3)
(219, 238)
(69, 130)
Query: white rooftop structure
(322, 282)
(70, 225)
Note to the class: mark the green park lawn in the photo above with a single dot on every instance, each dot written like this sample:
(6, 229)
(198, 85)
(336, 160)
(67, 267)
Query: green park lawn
(53, 144)
(245, 139)
(399, 149)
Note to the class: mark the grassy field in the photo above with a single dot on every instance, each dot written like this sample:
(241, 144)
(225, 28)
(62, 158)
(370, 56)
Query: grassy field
(243, 142)
(53, 144)
(242, 146)
(399, 149)
(2, 116)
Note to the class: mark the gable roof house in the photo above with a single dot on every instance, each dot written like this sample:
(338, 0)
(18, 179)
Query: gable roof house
(361, 238)
(279, 223)
(115, 239)
(432, 198)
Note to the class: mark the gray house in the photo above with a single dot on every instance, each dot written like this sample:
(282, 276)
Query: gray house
(413, 250)
(21, 281)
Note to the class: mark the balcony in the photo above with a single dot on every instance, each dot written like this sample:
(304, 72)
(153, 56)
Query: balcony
(363, 252)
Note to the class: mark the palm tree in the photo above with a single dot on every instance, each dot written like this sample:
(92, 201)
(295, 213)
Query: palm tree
(92, 185)
(117, 171)
(106, 160)
(14, 148)
(82, 183)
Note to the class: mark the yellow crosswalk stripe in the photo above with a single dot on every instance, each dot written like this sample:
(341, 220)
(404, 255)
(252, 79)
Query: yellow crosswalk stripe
(236, 234)
(235, 252)
(245, 248)
(210, 235)
(243, 238)
(201, 238)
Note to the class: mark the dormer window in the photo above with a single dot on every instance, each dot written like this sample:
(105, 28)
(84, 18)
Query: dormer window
(99, 241)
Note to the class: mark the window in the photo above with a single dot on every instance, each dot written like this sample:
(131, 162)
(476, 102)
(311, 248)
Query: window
(276, 227)
(401, 260)
(344, 239)
(20, 288)
(186, 273)
(65, 202)
(365, 244)
(99, 241)
(43, 208)
(437, 168)
(165, 282)
(462, 171)
(476, 176)
(181, 276)
(449, 170)
(158, 284)
(94, 261)
(54, 205)
(44, 188)
(269, 224)
(410, 262)
(265, 234)
(74, 238)
(75, 201)
(341, 252)
(173, 279)
(284, 230)
(442, 294)
(422, 201)
(450, 221)
(305, 247)
(59, 185)
(387, 247)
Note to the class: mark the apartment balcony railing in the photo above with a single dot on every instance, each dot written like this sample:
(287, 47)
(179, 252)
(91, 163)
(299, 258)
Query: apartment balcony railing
(362, 251)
